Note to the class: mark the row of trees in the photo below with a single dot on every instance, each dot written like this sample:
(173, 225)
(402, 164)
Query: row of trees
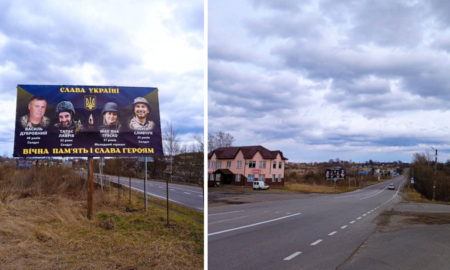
(423, 171)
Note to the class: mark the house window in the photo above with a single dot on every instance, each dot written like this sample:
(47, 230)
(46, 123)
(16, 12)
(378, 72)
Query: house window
(251, 178)
(239, 164)
(262, 164)
(238, 178)
(211, 177)
(273, 177)
(252, 164)
(274, 165)
(228, 164)
(279, 165)
(279, 178)
(217, 176)
(219, 164)
(262, 177)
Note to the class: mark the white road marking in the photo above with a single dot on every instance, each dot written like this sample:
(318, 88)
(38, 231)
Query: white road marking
(154, 195)
(172, 189)
(225, 213)
(251, 225)
(200, 196)
(351, 222)
(186, 193)
(359, 218)
(364, 215)
(292, 256)
(332, 233)
(231, 219)
(317, 242)
(343, 227)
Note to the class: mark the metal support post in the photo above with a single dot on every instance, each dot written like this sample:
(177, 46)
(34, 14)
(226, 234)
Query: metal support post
(145, 184)
(90, 187)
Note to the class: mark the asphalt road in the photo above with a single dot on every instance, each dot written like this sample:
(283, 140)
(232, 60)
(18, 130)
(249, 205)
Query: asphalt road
(317, 232)
(187, 196)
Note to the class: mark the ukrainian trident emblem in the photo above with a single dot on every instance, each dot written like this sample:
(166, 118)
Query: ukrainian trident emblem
(90, 102)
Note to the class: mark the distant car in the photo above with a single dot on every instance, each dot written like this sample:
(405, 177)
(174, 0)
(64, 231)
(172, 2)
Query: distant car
(260, 185)
(391, 187)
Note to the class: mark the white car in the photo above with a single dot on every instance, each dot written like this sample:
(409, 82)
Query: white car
(260, 185)
(391, 187)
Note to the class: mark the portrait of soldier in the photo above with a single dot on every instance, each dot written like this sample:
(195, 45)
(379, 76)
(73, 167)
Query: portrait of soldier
(36, 116)
(65, 112)
(110, 117)
(139, 121)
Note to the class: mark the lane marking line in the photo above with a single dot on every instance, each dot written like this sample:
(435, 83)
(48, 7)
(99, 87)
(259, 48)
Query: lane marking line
(351, 222)
(317, 242)
(364, 215)
(343, 227)
(359, 218)
(186, 193)
(154, 195)
(200, 196)
(252, 225)
(292, 256)
(231, 219)
(225, 213)
(332, 233)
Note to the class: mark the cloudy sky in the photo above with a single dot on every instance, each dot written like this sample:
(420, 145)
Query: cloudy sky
(329, 79)
(105, 42)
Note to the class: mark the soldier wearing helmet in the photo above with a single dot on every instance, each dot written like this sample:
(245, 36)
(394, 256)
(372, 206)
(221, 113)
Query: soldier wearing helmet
(65, 112)
(110, 117)
(139, 121)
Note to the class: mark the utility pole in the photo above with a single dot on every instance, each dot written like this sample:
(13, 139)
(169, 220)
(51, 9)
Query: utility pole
(435, 171)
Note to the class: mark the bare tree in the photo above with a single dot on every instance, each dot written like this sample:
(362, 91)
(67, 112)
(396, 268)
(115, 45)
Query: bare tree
(171, 145)
(219, 139)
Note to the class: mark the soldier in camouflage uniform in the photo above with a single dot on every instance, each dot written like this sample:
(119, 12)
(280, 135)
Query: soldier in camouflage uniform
(65, 112)
(139, 121)
(36, 117)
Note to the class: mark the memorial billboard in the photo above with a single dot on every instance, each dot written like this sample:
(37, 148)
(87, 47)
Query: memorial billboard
(82, 120)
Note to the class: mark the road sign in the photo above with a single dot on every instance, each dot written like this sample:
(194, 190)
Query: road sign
(149, 159)
(412, 180)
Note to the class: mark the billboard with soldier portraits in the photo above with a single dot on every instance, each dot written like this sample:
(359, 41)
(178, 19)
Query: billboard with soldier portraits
(82, 120)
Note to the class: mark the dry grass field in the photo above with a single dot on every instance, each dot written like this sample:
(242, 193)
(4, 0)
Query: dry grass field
(43, 225)
(307, 188)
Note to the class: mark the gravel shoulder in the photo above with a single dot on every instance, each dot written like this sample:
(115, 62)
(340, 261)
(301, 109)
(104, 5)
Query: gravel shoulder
(411, 235)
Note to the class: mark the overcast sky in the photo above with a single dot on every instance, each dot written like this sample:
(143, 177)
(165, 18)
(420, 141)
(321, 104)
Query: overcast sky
(105, 42)
(329, 79)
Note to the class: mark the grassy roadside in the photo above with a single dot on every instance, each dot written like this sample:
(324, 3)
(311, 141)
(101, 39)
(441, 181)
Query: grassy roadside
(48, 229)
(411, 195)
(308, 188)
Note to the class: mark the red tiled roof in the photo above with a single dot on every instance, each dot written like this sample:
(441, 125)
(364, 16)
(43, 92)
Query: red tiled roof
(248, 152)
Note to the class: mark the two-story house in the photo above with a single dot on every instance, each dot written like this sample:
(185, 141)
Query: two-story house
(241, 165)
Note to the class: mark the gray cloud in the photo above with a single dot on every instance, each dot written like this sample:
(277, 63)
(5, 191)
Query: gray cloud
(361, 69)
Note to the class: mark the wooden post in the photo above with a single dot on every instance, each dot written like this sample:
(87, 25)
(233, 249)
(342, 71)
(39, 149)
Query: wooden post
(118, 183)
(90, 187)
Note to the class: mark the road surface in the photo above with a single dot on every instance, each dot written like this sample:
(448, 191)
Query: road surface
(317, 232)
(187, 196)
